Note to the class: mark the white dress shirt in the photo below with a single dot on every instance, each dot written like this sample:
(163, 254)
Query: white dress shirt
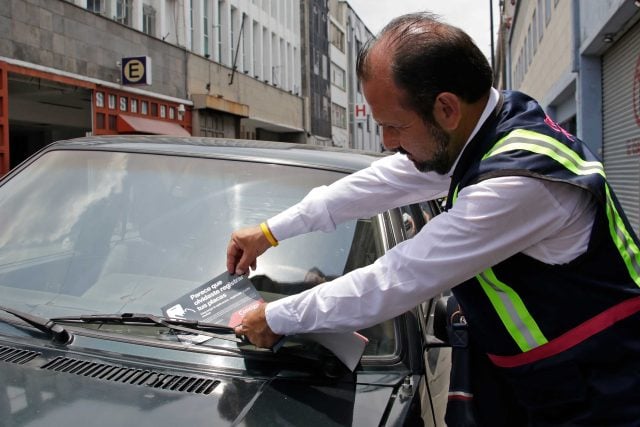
(489, 222)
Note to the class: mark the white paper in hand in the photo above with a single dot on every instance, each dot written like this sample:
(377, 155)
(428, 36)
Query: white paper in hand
(346, 346)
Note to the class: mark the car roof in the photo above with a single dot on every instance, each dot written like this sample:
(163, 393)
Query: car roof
(331, 158)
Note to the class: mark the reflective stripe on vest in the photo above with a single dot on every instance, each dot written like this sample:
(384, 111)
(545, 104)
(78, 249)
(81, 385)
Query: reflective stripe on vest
(527, 140)
(511, 310)
(509, 306)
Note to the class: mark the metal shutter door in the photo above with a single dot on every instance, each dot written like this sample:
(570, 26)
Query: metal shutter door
(621, 121)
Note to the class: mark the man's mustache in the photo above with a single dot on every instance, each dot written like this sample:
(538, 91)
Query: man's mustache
(401, 150)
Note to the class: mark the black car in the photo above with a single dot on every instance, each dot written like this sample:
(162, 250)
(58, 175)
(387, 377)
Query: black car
(99, 233)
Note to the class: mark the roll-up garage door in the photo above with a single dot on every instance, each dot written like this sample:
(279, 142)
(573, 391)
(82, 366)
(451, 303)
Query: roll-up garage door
(621, 121)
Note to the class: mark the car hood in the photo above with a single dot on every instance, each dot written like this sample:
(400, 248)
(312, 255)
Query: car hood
(63, 391)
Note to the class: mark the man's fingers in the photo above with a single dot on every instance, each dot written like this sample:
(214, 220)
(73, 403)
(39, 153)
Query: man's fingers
(245, 261)
(238, 330)
(244, 248)
(233, 254)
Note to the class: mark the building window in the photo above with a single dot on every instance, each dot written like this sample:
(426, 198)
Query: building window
(338, 116)
(154, 109)
(112, 102)
(245, 44)
(534, 29)
(163, 111)
(112, 122)
(212, 125)
(123, 12)
(191, 31)
(219, 32)
(358, 48)
(529, 47)
(205, 29)
(172, 113)
(540, 20)
(316, 62)
(144, 107)
(233, 32)
(95, 6)
(337, 76)
(325, 67)
(100, 121)
(336, 36)
(149, 20)
(325, 108)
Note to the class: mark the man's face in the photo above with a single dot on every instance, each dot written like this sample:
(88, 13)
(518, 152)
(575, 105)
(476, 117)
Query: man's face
(404, 130)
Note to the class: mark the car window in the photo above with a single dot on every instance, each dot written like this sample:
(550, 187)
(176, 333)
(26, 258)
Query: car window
(106, 232)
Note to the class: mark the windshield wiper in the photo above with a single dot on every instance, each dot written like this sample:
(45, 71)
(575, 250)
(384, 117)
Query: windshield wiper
(213, 330)
(57, 332)
(298, 351)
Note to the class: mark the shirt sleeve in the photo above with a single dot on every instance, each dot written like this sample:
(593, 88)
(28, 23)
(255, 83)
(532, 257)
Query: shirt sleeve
(490, 221)
(389, 182)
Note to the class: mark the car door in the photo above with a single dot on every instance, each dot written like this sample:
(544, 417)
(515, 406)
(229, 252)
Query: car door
(437, 354)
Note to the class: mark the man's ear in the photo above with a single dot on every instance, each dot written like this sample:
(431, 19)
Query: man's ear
(447, 111)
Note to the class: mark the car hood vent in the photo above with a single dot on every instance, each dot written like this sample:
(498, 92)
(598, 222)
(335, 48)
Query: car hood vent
(15, 355)
(140, 377)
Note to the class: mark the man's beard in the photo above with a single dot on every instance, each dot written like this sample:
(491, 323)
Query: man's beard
(440, 162)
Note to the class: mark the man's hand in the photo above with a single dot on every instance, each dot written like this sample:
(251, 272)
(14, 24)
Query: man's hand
(245, 246)
(254, 326)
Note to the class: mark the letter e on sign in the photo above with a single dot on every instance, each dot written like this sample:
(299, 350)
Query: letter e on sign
(360, 111)
(136, 70)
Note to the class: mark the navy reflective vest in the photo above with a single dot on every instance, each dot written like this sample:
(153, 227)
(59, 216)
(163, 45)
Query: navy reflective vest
(522, 311)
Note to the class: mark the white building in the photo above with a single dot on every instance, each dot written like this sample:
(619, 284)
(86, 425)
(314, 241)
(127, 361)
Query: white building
(245, 72)
(260, 38)
(339, 65)
(364, 131)
(240, 40)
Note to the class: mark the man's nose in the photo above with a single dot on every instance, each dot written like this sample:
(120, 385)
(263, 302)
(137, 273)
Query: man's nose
(389, 142)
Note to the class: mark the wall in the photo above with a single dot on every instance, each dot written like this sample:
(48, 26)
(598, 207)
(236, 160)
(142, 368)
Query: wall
(259, 97)
(551, 63)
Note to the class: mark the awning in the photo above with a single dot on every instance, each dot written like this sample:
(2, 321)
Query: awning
(133, 124)
(219, 103)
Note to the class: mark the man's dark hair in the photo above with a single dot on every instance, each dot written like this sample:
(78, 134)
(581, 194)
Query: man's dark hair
(429, 57)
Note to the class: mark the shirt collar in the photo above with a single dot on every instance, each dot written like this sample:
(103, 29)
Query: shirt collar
(494, 95)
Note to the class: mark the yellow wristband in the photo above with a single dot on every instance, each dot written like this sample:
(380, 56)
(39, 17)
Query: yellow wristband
(267, 233)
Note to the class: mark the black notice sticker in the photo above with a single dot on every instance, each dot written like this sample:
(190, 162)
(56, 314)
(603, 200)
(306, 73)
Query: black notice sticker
(224, 299)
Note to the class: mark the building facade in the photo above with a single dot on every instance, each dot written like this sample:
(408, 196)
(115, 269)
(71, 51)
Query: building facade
(316, 84)
(60, 77)
(364, 132)
(338, 12)
(257, 69)
(581, 60)
(245, 71)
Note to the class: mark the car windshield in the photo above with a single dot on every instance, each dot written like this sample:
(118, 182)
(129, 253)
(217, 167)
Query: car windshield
(112, 232)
